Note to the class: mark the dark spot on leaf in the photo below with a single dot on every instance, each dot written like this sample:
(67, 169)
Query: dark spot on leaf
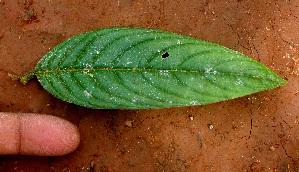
(165, 55)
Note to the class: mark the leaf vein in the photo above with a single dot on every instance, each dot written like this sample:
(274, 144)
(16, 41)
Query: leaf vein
(186, 85)
(142, 95)
(86, 37)
(160, 89)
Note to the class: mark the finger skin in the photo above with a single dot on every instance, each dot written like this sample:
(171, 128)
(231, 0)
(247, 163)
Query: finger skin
(35, 134)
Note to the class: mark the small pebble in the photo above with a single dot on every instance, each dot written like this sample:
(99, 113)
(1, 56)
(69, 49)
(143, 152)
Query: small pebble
(129, 123)
(272, 148)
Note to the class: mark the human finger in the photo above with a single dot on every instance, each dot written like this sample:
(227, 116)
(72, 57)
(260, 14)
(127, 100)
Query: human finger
(36, 134)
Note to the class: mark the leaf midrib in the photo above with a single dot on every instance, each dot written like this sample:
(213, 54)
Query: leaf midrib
(41, 72)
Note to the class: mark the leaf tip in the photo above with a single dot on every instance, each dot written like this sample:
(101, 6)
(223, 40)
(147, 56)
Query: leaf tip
(283, 81)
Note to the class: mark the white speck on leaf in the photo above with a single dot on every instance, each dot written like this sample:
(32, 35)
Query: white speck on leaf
(165, 73)
(194, 102)
(239, 82)
(134, 99)
(208, 70)
(87, 94)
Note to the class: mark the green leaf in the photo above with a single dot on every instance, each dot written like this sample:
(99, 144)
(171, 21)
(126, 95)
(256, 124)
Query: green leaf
(136, 68)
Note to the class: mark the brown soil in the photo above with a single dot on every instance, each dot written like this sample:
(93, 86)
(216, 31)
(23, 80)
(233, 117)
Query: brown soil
(258, 132)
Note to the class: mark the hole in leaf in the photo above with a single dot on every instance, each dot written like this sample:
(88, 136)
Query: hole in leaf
(165, 55)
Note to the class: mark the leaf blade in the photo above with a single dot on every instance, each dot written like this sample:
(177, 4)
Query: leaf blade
(123, 68)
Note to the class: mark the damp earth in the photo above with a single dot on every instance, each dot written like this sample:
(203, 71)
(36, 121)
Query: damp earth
(258, 132)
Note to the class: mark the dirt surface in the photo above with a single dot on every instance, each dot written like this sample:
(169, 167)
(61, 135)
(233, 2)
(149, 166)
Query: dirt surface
(258, 132)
